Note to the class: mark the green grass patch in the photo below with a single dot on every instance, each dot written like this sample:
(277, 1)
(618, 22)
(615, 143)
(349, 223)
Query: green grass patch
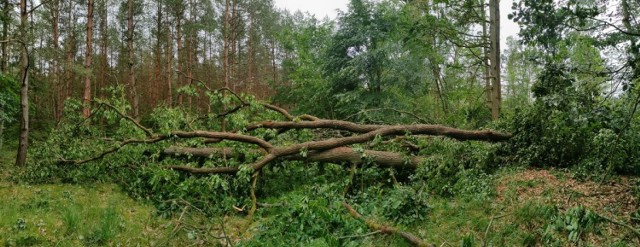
(71, 215)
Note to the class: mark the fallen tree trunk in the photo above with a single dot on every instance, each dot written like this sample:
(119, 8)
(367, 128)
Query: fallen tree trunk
(207, 152)
(334, 150)
(334, 155)
(415, 129)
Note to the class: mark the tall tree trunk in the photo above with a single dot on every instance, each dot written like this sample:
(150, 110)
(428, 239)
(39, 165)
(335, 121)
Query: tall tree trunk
(158, 55)
(6, 7)
(104, 41)
(485, 55)
(226, 43)
(249, 79)
(234, 44)
(494, 15)
(190, 51)
(132, 75)
(70, 51)
(169, 56)
(634, 56)
(23, 143)
(87, 62)
(179, 13)
(227, 11)
(58, 98)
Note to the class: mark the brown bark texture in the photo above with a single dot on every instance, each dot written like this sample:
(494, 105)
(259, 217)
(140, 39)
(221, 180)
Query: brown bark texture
(87, 62)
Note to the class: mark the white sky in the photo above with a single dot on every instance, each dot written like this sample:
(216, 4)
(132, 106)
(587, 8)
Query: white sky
(322, 8)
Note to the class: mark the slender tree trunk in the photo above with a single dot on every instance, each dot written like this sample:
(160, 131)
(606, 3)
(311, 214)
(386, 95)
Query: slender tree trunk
(87, 62)
(485, 56)
(169, 56)
(190, 51)
(132, 75)
(70, 52)
(158, 55)
(234, 43)
(634, 56)
(180, 51)
(104, 63)
(58, 99)
(273, 63)
(6, 7)
(249, 79)
(494, 15)
(23, 142)
(226, 55)
(226, 43)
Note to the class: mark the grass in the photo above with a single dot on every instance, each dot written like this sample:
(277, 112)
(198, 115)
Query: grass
(70, 215)
(80, 215)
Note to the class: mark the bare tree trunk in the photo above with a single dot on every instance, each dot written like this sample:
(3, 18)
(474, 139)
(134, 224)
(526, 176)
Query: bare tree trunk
(87, 62)
(179, 13)
(6, 7)
(58, 99)
(234, 45)
(70, 52)
(494, 15)
(634, 57)
(249, 79)
(103, 45)
(190, 52)
(226, 56)
(226, 44)
(132, 75)
(23, 144)
(158, 56)
(485, 56)
(169, 56)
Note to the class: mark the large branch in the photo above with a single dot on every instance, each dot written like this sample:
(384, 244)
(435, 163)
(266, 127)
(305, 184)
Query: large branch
(116, 148)
(417, 129)
(225, 136)
(335, 155)
(180, 134)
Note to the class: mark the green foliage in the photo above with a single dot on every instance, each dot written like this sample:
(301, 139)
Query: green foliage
(455, 168)
(570, 126)
(9, 99)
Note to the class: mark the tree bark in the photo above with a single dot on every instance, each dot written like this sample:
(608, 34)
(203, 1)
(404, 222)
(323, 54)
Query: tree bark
(23, 142)
(179, 13)
(6, 8)
(58, 99)
(132, 75)
(87, 62)
(104, 44)
(335, 155)
(494, 15)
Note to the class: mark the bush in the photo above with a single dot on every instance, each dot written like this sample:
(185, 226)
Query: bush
(571, 125)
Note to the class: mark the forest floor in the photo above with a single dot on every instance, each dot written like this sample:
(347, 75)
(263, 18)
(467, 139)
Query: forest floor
(529, 208)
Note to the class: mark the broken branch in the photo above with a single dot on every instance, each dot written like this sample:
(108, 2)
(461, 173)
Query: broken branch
(385, 229)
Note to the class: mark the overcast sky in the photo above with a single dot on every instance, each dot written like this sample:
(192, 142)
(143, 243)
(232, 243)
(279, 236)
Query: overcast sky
(328, 8)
